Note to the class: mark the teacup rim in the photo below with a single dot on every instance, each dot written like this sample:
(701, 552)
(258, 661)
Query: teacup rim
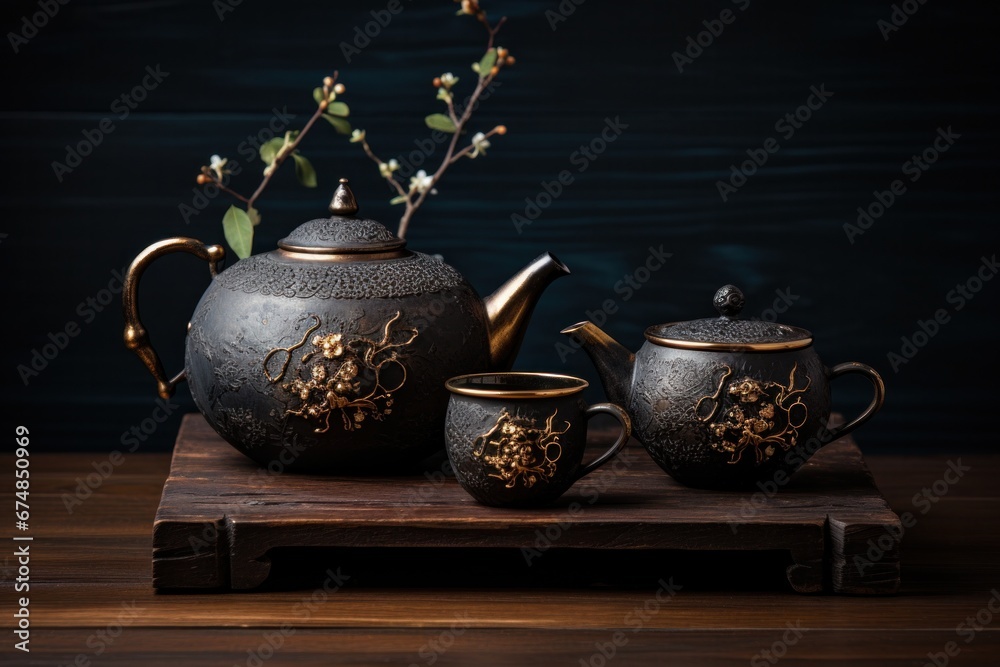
(575, 385)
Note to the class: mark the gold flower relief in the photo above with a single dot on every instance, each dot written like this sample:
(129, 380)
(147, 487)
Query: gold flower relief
(762, 416)
(349, 374)
(519, 448)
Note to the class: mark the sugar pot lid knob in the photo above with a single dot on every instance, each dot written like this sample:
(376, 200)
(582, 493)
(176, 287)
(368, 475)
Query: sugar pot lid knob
(729, 301)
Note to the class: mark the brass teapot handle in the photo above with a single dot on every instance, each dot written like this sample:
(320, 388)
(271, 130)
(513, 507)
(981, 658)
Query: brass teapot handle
(136, 337)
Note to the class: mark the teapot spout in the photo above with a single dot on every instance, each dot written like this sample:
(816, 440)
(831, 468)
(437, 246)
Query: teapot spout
(509, 308)
(613, 361)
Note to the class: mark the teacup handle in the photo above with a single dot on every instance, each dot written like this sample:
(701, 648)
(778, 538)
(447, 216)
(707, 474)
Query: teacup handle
(873, 407)
(623, 419)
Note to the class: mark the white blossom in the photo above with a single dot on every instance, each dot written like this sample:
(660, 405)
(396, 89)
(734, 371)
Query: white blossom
(386, 168)
(422, 183)
(218, 165)
(479, 145)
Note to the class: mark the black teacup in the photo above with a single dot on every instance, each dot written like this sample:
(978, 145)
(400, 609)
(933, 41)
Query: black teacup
(517, 439)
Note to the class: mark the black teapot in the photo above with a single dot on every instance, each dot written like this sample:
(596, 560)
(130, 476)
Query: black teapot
(724, 402)
(330, 353)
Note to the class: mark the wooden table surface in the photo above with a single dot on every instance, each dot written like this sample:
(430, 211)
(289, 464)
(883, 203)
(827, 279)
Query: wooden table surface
(92, 603)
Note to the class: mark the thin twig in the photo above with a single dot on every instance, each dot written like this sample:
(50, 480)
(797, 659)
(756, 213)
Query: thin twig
(471, 147)
(450, 157)
(286, 150)
(494, 30)
(232, 192)
(290, 148)
(379, 162)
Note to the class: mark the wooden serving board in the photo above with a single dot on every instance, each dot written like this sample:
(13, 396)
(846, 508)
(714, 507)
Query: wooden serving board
(220, 516)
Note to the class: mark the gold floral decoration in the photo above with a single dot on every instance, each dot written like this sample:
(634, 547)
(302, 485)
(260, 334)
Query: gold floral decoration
(762, 416)
(518, 448)
(344, 373)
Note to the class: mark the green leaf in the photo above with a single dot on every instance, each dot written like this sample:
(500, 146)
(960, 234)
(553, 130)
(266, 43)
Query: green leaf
(339, 124)
(269, 150)
(318, 95)
(438, 121)
(239, 231)
(398, 200)
(304, 170)
(487, 63)
(339, 109)
(254, 216)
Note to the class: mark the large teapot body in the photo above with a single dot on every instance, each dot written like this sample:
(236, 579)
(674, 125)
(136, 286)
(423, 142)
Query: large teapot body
(330, 354)
(336, 369)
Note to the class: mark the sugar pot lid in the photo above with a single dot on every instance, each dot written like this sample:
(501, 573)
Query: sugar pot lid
(729, 332)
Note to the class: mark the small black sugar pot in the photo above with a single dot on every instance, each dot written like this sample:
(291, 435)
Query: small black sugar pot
(724, 402)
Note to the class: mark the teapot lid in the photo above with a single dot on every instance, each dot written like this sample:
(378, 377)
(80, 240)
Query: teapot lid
(343, 232)
(729, 332)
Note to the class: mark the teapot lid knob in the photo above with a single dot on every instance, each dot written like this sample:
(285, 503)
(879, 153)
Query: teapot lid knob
(343, 202)
(729, 301)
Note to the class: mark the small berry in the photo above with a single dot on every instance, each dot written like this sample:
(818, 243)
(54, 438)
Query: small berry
(203, 179)
(340, 89)
(328, 81)
(510, 60)
(502, 53)
(501, 130)
(494, 70)
(437, 82)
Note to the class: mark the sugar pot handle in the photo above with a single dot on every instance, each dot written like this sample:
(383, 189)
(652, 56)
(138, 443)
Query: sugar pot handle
(873, 407)
(136, 337)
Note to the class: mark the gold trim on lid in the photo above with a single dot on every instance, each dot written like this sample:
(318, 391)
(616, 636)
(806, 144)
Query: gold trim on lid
(776, 346)
(304, 253)
(461, 385)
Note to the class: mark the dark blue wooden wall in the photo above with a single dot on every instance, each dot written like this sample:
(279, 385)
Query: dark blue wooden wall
(655, 185)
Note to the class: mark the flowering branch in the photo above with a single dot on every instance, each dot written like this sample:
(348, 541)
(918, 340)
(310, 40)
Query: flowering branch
(423, 184)
(238, 223)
